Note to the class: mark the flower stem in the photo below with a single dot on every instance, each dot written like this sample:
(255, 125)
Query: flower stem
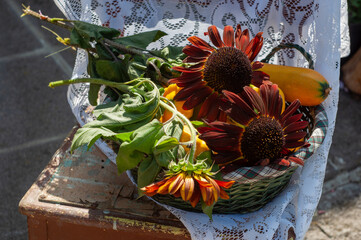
(121, 86)
(56, 21)
(193, 139)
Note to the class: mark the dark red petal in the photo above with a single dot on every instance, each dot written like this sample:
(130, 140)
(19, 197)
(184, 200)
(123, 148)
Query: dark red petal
(253, 46)
(238, 33)
(295, 136)
(198, 98)
(214, 135)
(207, 105)
(226, 126)
(222, 116)
(257, 65)
(200, 43)
(187, 79)
(244, 40)
(295, 126)
(188, 91)
(291, 109)
(292, 119)
(293, 144)
(258, 77)
(194, 60)
(195, 52)
(275, 106)
(265, 94)
(213, 112)
(239, 111)
(255, 99)
(222, 144)
(195, 68)
(257, 47)
(228, 36)
(215, 37)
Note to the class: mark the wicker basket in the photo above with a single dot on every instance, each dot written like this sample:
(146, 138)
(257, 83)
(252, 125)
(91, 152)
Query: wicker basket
(256, 186)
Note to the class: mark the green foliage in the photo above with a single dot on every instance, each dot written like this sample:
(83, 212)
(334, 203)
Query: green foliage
(140, 146)
(354, 10)
(141, 40)
(83, 33)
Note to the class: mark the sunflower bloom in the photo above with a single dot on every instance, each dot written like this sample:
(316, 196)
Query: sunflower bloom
(258, 132)
(190, 187)
(227, 67)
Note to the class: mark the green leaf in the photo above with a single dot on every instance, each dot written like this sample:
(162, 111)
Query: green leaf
(91, 68)
(170, 53)
(89, 136)
(207, 209)
(124, 136)
(83, 33)
(198, 124)
(137, 67)
(163, 159)
(141, 40)
(140, 145)
(164, 144)
(113, 106)
(147, 172)
(132, 109)
(115, 71)
(77, 39)
(95, 32)
(103, 53)
(173, 130)
(93, 94)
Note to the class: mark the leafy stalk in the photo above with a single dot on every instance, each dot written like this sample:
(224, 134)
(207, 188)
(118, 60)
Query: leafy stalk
(126, 88)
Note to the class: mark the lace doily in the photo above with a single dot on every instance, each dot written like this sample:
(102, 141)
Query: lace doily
(313, 24)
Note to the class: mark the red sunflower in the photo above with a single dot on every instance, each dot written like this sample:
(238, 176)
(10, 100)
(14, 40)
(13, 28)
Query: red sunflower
(227, 67)
(259, 133)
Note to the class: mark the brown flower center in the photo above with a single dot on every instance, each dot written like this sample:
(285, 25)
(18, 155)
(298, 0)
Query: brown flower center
(263, 138)
(227, 68)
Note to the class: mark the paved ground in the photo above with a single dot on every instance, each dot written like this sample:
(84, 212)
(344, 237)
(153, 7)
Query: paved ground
(35, 119)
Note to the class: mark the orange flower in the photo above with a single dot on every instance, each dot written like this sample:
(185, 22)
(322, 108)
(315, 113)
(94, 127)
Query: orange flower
(190, 187)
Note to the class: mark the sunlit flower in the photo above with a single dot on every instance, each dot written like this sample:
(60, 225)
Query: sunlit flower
(226, 67)
(258, 133)
(191, 184)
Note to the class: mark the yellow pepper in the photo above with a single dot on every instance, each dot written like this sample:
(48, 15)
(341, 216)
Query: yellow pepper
(201, 145)
(169, 93)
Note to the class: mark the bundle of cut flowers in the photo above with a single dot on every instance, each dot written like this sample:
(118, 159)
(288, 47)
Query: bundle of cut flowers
(183, 117)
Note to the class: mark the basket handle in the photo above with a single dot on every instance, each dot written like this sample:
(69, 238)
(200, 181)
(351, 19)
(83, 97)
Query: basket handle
(290, 45)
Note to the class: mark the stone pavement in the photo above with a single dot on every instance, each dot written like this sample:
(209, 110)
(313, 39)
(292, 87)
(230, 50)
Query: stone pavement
(36, 119)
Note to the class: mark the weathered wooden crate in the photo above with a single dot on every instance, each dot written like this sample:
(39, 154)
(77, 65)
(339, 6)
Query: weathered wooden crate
(81, 196)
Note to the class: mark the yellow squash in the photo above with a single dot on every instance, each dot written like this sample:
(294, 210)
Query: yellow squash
(307, 85)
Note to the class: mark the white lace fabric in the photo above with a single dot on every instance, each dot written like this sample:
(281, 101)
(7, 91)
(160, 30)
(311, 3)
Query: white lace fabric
(314, 24)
